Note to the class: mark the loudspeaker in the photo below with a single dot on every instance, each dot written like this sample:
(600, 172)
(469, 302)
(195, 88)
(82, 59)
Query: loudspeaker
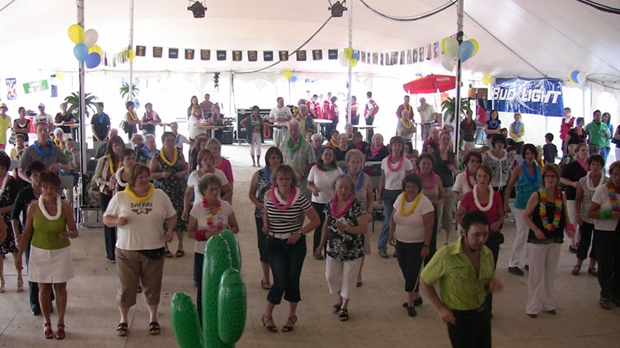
(227, 137)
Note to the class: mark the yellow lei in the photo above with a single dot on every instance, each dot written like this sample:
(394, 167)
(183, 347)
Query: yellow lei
(413, 206)
(140, 199)
(408, 124)
(132, 115)
(174, 158)
(111, 169)
(407, 107)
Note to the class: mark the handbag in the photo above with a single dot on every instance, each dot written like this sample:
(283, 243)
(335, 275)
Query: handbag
(12, 137)
(153, 254)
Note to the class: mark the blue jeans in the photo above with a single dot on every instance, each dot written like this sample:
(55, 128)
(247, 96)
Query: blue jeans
(389, 197)
(286, 261)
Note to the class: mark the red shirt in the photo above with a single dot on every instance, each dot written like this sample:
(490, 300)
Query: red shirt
(375, 109)
(316, 106)
(481, 115)
(400, 109)
(468, 203)
(566, 127)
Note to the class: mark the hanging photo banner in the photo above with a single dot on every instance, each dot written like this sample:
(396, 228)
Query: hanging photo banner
(317, 54)
(173, 53)
(189, 54)
(11, 89)
(268, 56)
(538, 97)
(141, 51)
(252, 56)
(221, 55)
(205, 54)
(36, 86)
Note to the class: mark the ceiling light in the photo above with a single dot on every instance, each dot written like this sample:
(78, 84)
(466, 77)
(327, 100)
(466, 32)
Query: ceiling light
(197, 9)
(337, 9)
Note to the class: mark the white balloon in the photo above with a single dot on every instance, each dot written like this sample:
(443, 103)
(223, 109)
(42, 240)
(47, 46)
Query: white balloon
(581, 77)
(447, 62)
(452, 47)
(90, 37)
(342, 59)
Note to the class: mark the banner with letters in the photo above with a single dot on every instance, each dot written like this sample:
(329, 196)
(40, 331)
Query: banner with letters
(538, 96)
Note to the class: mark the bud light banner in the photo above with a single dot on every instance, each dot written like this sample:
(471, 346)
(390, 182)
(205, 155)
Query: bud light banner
(538, 97)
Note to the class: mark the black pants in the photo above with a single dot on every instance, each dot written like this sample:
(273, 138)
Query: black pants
(109, 232)
(410, 262)
(286, 261)
(472, 329)
(607, 244)
(262, 240)
(198, 261)
(518, 145)
(493, 244)
(369, 132)
(585, 230)
(317, 231)
(433, 245)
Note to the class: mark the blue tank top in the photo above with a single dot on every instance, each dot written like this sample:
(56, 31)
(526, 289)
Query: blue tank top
(525, 186)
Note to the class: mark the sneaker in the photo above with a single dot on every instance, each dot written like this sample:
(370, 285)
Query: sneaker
(383, 254)
(515, 271)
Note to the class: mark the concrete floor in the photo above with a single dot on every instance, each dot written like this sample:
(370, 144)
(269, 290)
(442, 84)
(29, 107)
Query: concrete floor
(376, 317)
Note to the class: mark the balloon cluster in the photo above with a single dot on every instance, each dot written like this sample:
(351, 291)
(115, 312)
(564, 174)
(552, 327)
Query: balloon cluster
(289, 76)
(85, 49)
(486, 80)
(577, 77)
(452, 50)
(349, 57)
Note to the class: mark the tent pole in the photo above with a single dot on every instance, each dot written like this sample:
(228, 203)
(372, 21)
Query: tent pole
(350, 72)
(130, 84)
(82, 112)
(457, 109)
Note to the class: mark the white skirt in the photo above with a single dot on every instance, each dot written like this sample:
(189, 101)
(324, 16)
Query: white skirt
(50, 266)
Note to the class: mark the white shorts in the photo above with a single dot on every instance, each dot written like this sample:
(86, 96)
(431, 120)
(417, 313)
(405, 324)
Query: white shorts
(279, 135)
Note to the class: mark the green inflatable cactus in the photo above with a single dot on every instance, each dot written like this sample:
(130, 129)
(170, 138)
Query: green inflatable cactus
(224, 301)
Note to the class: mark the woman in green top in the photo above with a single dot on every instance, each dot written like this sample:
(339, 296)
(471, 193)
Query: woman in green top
(50, 223)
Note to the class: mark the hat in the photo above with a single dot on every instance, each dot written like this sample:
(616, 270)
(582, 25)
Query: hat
(40, 119)
(41, 105)
(3, 105)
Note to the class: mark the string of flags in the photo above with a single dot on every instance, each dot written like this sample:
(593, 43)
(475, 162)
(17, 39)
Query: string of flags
(402, 57)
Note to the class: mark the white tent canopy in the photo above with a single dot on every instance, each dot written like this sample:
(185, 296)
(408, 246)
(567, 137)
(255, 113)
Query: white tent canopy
(526, 38)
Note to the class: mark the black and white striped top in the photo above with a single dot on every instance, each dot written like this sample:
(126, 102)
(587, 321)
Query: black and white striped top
(283, 222)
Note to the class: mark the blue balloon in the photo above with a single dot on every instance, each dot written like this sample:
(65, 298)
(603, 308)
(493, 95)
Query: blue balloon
(466, 50)
(93, 60)
(293, 79)
(573, 76)
(356, 54)
(80, 51)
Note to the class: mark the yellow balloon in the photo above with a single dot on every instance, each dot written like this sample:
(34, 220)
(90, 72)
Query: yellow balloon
(76, 33)
(353, 62)
(486, 80)
(96, 49)
(476, 46)
(59, 76)
(131, 54)
(348, 53)
(443, 44)
(288, 74)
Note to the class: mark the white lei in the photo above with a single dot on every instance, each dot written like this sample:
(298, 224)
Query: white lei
(119, 180)
(477, 202)
(282, 201)
(6, 179)
(588, 182)
(45, 213)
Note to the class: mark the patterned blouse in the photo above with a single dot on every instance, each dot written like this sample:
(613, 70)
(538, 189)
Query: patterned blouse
(500, 168)
(341, 245)
(262, 185)
(587, 197)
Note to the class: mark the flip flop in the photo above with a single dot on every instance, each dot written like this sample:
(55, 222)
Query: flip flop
(154, 328)
(121, 330)
(168, 254)
(180, 253)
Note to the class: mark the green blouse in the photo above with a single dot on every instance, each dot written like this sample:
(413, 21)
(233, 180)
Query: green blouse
(46, 234)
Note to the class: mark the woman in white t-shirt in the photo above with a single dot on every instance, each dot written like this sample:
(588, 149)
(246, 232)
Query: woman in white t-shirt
(205, 166)
(466, 180)
(411, 229)
(209, 216)
(393, 170)
(320, 181)
(139, 213)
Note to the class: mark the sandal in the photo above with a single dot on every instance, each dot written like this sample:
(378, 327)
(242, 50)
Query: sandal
(139, 289)
(336, 307)
(344, 315)
(168, 254)
(604, 303)
(592, 271)
(20, 285)
(271, 328)
(47, 331)
(265, 285)
(60, 334)
(289, 328)
(121, 330)
(180, 253)
(154, 328)
(576, 270)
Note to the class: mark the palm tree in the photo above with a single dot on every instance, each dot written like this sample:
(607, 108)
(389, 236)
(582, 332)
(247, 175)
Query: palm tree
(73, 104)
(124, 90)
(448, 107)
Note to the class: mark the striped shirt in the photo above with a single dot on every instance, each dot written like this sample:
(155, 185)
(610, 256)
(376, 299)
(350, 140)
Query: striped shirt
(282, 223)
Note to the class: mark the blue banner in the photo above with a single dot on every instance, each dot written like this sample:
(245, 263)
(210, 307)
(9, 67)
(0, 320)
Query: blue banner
(538, 97)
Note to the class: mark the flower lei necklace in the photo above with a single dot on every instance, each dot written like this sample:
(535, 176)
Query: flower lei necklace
(165, 159)
(132, 115)
(140, 199)
(400, 163)
(218, 210)
(360, 184)
(325, 168)
(4, 182)
(293, 148)
(267, 173)
(433, 179)
(407, 107)
(611, 191)
(333, 143)
(413, 206)
(494, 125)
(583, 164)
(344, 209)
(275, 198)
(45, 213)
(119, 179)
(40, 152)
(477, 201)
(542, 209)
(374, 151)
(406, 123)
(527, 173)
(588, 182)
(111, 168)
